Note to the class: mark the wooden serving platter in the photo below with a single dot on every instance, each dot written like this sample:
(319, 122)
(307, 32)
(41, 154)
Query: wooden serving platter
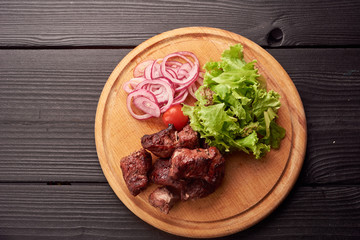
(251, 188)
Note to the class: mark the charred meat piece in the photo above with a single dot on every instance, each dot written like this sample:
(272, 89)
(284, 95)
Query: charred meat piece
(164, 143)
(195, 173)
(135, 168)
(160, 175)
(163, 199)
(188, 163)
(197, 188)
(216, 171)
(187, 138)
(207, 164)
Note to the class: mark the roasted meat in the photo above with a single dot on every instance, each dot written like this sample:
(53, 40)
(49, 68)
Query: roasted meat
(187, 138)
(135, 168)
(197, 188)
(164, 143)
(189, 173)
(160, 175)
(183, 170)
(163, 198)
(207, 164)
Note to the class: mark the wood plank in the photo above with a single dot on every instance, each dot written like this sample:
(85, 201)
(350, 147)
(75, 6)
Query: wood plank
(94, 212)
(128, 23)
(329, 88)
(57, 85)
(48, 101)
(49, 151)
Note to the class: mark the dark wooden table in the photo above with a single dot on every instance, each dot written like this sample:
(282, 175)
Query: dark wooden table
(55, 58)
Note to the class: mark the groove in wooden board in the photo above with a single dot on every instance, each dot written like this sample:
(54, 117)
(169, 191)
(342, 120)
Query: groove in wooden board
(88, 23)
(216, 215)
(93, 211)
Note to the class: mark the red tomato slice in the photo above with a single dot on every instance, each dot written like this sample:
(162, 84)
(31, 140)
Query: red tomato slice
(174, 115)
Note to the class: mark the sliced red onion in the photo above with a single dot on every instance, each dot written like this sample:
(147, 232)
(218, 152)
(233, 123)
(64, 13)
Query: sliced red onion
(147, 106)
(130, 85)
(192, 88)
(172, 72)
(159, 84)
(183, 71)
(140, 68)
(155, 70)
(173, 64)
(147, 71)
(168, 95)
(193, 73)
(151, 111)
(181, 96)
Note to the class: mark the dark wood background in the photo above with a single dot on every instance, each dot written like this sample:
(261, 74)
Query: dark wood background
(55, 57)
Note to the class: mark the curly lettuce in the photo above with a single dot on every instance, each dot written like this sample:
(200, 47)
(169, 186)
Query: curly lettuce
(234, 111)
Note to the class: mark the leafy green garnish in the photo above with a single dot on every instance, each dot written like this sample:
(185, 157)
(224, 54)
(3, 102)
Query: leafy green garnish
(234, 111)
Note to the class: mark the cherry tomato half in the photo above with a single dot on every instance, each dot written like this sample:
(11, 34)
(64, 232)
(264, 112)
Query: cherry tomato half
(174, 115)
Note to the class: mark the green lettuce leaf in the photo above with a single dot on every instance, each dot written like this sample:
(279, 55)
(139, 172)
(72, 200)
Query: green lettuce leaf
(233, 109)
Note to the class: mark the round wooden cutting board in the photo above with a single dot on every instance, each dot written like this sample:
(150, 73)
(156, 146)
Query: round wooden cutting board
(251, 188)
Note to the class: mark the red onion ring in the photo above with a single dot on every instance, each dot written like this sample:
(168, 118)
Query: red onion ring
(147, 106)
(159, 84)
(140, 68)
(192, 88)
(130, 85)
(169, 91)
(182, 95)
(193, 73)
(147, 102)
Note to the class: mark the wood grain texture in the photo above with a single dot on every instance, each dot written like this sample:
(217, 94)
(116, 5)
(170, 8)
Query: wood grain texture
(48, 102)
(329, 88)
(94, 212)
(56, 85)
(128, 23)
(29, 88)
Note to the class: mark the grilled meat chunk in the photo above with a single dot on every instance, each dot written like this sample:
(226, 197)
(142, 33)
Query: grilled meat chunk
(160, 175)
(163, 199)
(187, 138)
(197, 188)
(135, 168)
(195, 173)
(207, 164)
(190, 173)
(164, 143)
